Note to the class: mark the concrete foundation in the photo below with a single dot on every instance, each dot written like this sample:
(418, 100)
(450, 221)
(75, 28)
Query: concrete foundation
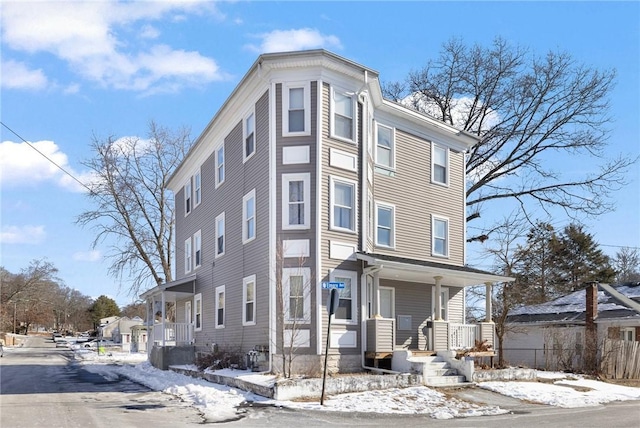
(162, 357)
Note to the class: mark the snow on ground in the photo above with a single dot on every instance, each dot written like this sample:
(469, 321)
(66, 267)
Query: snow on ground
(219, 402)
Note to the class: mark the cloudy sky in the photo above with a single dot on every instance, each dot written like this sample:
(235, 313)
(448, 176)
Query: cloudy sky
(72, 71)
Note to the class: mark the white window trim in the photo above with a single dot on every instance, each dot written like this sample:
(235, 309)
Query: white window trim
(197, 246)
(354, 295)
(197, 189)
(433, 163)
(393, 299)
(306, 188)
(221, 216)
(306, 86)
(433, 236)
(444, 306)
(188, 198)
(247, 197)
(188, 255)
(287, 273)
(391, 207)
(393, 147)
(246, 156)
(245, 281)
(333, 180)
(219, 290)
(224, 162)
(354, 105)
(197, 299)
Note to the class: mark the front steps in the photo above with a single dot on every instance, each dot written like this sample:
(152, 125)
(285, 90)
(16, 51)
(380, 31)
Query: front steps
(435, 371)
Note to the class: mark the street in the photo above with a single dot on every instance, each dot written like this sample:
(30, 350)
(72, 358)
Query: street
(40, 386)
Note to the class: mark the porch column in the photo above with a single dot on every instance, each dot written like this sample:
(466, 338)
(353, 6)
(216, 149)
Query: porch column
(438, 298)
(376, 294)
(164, 304)
(487, 292)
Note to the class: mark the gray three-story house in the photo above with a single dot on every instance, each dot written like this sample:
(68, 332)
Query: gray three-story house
(305, 177)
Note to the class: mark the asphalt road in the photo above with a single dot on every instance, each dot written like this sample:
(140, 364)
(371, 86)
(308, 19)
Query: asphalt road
(41, 387)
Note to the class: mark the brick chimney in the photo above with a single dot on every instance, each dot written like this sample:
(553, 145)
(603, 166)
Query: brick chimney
(592, 306)
(591, 331)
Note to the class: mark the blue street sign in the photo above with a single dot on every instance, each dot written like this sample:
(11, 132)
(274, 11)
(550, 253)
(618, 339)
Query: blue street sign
(330, 285)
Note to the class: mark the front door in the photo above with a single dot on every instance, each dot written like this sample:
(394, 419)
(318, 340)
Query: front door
(387, 302)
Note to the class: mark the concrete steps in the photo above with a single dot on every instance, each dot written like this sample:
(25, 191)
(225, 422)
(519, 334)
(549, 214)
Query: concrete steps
(435, 371)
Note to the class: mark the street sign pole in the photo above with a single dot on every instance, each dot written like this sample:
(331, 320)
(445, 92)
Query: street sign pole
(332, 304)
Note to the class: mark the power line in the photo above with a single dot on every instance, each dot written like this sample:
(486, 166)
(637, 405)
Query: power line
(47, 158)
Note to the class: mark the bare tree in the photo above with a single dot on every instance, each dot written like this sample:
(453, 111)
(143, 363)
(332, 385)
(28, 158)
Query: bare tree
(627, 265)
(132, 205)
(527, 110)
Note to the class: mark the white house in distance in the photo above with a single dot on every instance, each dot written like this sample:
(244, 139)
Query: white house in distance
(307, 176)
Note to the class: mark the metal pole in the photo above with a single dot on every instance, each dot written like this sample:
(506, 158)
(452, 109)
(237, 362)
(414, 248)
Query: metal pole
(326, 356)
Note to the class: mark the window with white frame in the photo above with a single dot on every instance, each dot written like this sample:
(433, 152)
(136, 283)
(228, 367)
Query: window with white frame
(249, 216)
(385, 146)
(297, 293)
(347, 308)
(385, 225)
(220, 165)
(628, 334)
(440, 236)
(343, 204)
(296, 204)
(197, 248)
(220, 305)
(444, 304)
(439, 164)
(197, 319)
(187, 197)
(249, 136)
(370, 214)
(249, 300)
(296, 116)
(220, 235)
(187, 255)
(197, 189)
(343, 123)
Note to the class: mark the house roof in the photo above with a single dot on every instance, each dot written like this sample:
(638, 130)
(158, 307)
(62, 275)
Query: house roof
(171, 290)
(614, 302)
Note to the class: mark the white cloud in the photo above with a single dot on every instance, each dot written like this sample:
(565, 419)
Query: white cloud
(22, 164)
(87, 256)
(16, 75)
(22, 234)
(87, 36)
(293, 40)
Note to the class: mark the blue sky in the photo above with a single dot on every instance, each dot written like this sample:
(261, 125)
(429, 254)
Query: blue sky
(72, 70)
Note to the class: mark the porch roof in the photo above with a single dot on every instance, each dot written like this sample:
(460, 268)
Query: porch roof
(405, 269)
(180, 288)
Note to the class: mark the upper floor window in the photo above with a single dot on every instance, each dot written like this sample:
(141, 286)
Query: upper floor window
(187, 197)
(220, 235)
(197, 302)
(343, 204)
(197, 245)
(187, 255)
(343, 118)
(385, 146)
(249, 300)
(197, 189)
(249, 136)
(220, 304)
(297, 293)
(347, 308)
(249, 217)
(296, 205)
(439, 164)
(440, 232)
(385, 219)
(296, 117)
(220, 165)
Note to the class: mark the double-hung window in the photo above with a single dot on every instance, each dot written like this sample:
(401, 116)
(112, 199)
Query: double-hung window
(385, 147)
(220, 235)
(197, 319)
(297, 294)
(249, 136)
(296, 201)
(439, 164)
(347, 307)
(220, 304)
(343, 204)
(187, 198)
(197, 189)
(249, 216)
(220, 165)
(296, 117)
(385, 219)
(440, 236)
(197, 245)
(187, 255)
(343, 117)
(249, 300)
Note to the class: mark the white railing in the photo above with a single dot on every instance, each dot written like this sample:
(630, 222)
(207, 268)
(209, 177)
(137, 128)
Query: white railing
(462, 336)
(173, 334)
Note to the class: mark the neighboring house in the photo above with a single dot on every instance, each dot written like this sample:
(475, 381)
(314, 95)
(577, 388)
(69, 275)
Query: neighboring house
(307, 176)
(118, 329)
(139, 338)
(555, 335)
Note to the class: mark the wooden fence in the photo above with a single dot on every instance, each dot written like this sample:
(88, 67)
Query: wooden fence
(620, 359)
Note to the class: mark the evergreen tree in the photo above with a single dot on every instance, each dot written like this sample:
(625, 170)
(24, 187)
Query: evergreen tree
(535, 265)
(103, 307)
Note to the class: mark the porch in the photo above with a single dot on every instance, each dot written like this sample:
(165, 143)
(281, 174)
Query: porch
(172, 334)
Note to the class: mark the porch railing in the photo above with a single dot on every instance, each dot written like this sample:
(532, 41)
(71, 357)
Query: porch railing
(173, 334)
(463, 336)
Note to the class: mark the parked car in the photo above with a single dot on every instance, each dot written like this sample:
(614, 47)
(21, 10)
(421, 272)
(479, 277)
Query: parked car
(94, 343)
